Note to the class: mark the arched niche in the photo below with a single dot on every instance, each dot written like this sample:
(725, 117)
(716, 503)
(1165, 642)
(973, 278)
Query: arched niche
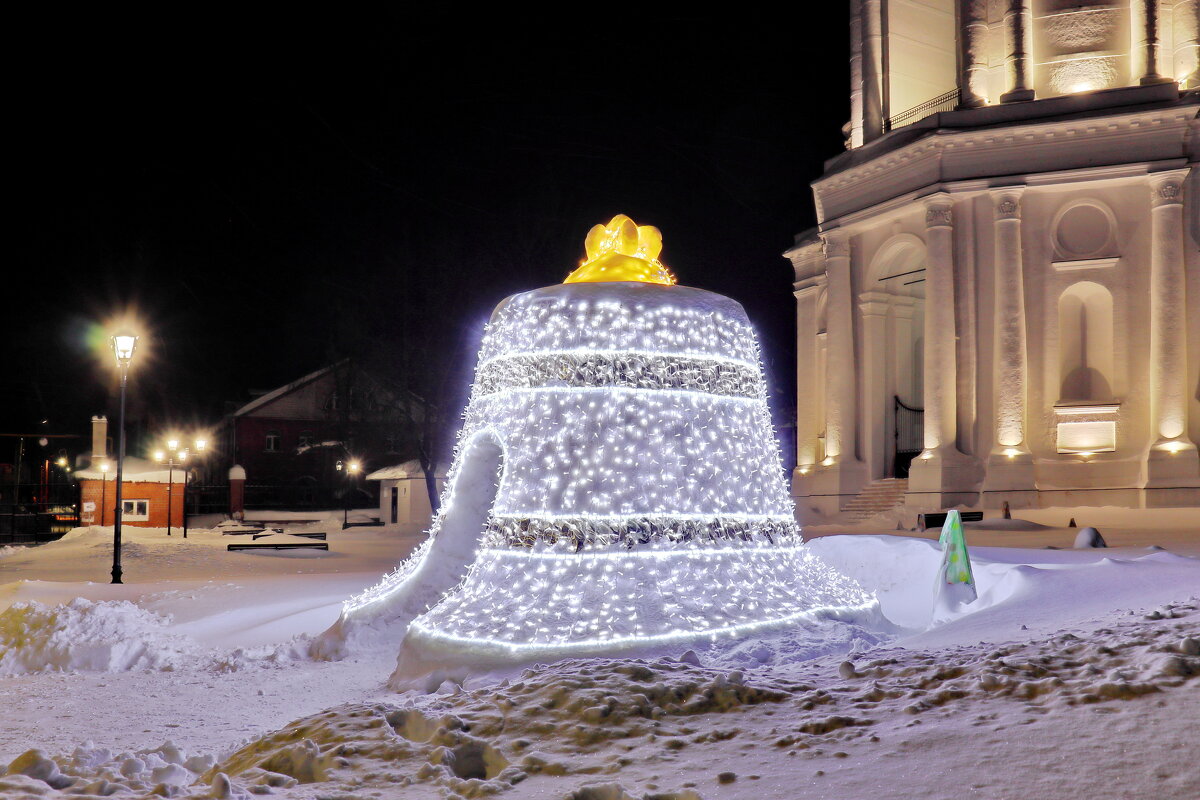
(1085, 343)
(891, 307)
(898, 267)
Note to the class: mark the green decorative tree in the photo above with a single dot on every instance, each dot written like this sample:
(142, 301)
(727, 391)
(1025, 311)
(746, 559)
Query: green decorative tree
(955, 558)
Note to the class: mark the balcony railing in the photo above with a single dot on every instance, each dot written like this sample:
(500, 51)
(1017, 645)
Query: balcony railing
(943, 102)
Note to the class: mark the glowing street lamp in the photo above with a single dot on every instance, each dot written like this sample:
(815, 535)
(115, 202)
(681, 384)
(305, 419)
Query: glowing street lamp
(352, 468)
(123, 345)
(174, 457)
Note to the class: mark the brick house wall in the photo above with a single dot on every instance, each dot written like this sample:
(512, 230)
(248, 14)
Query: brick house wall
(156, 494)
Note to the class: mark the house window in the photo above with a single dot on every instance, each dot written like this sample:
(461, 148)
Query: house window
(272, 443)
(306, 439)
(134, 510)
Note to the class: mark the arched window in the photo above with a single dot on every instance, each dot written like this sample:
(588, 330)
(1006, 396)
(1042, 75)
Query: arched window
(1085, 331)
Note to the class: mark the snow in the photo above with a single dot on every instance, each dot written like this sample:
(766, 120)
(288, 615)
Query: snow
(111, 636)
(408, 469)
(1073, 675)
(135, 470)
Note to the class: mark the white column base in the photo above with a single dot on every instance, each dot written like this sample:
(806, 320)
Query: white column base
(829, 485)
(1173, 463)
(1010, 479)
(941, 478)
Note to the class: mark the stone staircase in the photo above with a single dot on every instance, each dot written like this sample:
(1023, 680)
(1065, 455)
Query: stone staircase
(876, 496)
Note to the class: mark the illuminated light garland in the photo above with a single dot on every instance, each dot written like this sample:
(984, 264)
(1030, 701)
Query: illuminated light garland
(616, 354)
(586, 645)
(581, 532)
(640, 498)
(625, 370)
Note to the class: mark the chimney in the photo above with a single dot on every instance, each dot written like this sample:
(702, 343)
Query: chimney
(99, 438)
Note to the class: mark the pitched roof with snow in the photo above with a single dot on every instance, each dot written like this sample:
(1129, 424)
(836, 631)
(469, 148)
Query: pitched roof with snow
(135, 470)
(409, 469)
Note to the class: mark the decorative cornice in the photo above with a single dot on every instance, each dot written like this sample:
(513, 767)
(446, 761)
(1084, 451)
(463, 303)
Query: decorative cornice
(874, 304)
(810, 286)
(837, 244)
(1085, 263)
(864, 179)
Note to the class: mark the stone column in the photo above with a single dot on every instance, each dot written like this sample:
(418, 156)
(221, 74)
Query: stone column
(1010, 465)
(1018, 52)
(1173, 457)
(941, 474)
(808, 423)
(844, 472)
(941, 373)
(1185, 32)
(874, 398)
(840, 387)
(972, 53)
(874, 106)
(856, 75)
(1147, 40)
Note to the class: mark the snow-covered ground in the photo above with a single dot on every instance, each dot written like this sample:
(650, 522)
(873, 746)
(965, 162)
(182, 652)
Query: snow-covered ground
(1074, 675)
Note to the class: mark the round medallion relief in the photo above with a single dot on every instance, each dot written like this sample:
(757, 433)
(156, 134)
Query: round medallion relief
(1083, 230)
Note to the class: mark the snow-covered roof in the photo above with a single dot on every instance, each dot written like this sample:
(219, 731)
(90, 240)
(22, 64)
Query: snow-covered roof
(409, 469)
(281, 391)
(135, 470)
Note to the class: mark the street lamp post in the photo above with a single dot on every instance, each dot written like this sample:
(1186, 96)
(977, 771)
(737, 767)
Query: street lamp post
(123, 345)
(178, 458)
(201, 447)
(172, 463)
(103, 488)
(352, 469)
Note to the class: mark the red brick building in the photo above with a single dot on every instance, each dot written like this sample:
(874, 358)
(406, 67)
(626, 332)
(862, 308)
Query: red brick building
(295, 435)
(147, 491)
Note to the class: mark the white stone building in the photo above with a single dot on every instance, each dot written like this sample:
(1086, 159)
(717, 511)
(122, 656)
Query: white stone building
(1009, 249)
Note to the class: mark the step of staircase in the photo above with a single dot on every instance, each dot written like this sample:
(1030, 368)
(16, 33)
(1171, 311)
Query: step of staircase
(875, 497)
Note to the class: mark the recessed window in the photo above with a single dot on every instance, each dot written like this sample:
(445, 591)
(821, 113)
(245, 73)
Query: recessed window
(272, 442)
(135, 510)
(1085, 331)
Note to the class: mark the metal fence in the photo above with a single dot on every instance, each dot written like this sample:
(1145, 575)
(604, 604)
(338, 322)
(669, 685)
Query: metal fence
(214, 499)
(37, 512)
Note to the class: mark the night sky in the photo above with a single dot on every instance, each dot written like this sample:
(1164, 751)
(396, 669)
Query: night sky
(271, 192)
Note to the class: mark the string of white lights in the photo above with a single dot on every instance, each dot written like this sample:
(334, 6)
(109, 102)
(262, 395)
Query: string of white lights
(640, 495)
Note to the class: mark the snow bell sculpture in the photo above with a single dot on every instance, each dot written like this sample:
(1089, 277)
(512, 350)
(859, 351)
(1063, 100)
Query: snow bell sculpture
(616, 485)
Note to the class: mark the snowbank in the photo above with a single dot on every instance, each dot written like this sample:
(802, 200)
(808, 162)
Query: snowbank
(617, 728)
(112, 636)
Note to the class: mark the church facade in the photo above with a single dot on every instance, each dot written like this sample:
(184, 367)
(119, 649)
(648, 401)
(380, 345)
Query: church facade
(1001, 300)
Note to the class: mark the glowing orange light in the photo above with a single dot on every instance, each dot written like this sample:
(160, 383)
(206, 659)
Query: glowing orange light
(622, 251)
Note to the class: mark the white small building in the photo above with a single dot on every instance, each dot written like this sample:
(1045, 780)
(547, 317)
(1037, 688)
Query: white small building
(1001, 301)
(403, 493)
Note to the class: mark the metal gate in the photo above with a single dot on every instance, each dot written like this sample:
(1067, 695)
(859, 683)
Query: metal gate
(910, 436)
